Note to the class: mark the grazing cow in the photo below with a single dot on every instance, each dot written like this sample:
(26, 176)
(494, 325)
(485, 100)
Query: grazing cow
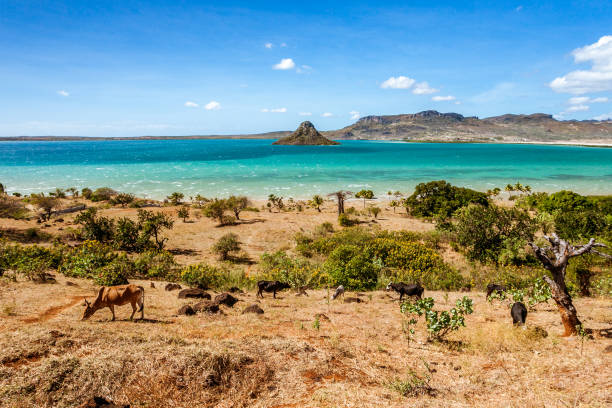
(493, 287)
(518, 313)
(339, 291)
(111, 296)
(270, 286)
(405, 289)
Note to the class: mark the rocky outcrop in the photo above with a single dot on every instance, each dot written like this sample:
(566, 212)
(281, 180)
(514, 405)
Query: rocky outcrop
(305, 135)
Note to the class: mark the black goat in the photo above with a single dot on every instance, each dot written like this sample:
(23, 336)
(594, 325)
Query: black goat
(493, 287)
(405, 289)
(518, 313)
(270, 286)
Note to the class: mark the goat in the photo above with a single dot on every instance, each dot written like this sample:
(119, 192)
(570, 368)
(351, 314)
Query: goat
(339, 291)
(111, 296)
(270, 286)
(518, 313)
(405, 289)
(493, 287)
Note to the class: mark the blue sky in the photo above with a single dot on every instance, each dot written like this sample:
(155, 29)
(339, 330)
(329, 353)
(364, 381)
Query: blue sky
(125, 68)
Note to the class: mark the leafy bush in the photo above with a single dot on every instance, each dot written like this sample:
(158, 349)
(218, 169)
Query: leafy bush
(487, 233)
(151, 225)
(345, 221)
(11, 208)
(441, 199)
(126, 235)
(347, 265)
(156, 264)
(237, 204)
(86, 260)
(439, 324)
(176, 198)
(226, 244)
(203, 276)
(183, 213)
(216, 210)
(115, 273)
(86, 193)
(102, 194)
(563, 200)
(95, 228)
(123, 199)
(581, 224)
(295, 271)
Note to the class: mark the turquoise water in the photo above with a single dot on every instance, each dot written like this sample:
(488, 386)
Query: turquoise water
(155, 168)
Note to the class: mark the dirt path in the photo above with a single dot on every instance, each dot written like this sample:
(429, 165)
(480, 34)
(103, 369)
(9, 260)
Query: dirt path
(54, 311)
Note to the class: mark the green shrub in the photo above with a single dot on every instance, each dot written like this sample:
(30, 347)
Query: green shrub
(157, 265)
(86, 260)
(441, 199)
(102, 194)
(226, 244)
(11, 208)
(485, 233)
(176, 198)
(294, 271)
(126, 235)
(347, 265)
(203, 276)
(581, 224)
(122, 199)
(115, 273)
(439, 324)
(86, 193)
(95, 228)
(345, 221)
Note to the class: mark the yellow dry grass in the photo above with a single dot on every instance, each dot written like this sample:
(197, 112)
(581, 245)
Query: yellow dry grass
(49, 357)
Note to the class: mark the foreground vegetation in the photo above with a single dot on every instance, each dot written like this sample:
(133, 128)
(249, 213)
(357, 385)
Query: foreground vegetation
(453, 241)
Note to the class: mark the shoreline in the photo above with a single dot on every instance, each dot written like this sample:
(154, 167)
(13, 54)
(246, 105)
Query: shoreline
(277, 135)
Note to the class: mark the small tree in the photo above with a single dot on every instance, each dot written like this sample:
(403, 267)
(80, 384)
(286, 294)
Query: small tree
(58, 193)
(275, 202)
(86, 193)
(394, 204)
(45, 204)
(226, 244)
(555, 259)
(374, 211)
(100, 229)
(316, 202)
(340, 196)
(2, 192)
(439, 324)
(73, 192)
(123, 199)
(152, 224)
(216, 210)
(366, 195)
(237, 204)
(183, 213)
(176, 198)
(200, 200)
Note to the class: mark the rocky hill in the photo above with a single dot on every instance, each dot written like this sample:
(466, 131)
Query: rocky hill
(306, 134)
(453, 127)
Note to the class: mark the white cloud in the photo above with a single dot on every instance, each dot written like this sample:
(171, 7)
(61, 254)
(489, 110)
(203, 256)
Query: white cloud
(443, 98)
(423, 88)
(400, 82)
(212, 105)
(354, 114)
(275, 110)
(327, 115)
(285, 63)
(268, 45)
(63, 93)
(596, 79)
(190, 104)
(304, 69)
(305, 113)
(580, 100)
(577, 108)
(605, 116)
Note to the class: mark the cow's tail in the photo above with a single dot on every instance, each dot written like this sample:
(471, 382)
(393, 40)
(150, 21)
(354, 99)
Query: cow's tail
(142, 298)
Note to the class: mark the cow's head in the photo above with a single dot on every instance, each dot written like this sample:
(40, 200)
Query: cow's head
(88, 310)
(389, 286)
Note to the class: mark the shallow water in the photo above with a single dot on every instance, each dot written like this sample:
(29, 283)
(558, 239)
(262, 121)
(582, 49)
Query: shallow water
(155, 168)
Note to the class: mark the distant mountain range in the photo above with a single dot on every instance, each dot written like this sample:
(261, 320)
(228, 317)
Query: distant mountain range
(453, 127)
(433, 126)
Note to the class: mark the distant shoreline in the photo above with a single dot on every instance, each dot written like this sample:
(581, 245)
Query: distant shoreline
(279, 134)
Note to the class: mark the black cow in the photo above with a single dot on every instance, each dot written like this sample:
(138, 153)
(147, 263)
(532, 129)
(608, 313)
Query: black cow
(493, 287)
(405, 289)
(518, 313)
(270, 286)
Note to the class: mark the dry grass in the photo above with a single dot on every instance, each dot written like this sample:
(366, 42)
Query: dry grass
(49, 357)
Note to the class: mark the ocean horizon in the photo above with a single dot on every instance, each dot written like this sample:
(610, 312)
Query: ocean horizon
(255, 168)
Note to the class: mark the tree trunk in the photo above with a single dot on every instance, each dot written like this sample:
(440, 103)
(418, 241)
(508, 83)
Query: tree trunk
(569, 315)
(584, 281)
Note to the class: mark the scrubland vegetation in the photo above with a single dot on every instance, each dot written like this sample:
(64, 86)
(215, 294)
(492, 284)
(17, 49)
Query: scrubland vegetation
(451, 348)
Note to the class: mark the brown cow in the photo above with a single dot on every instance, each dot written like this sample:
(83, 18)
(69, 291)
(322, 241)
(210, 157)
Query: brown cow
(111, 296)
